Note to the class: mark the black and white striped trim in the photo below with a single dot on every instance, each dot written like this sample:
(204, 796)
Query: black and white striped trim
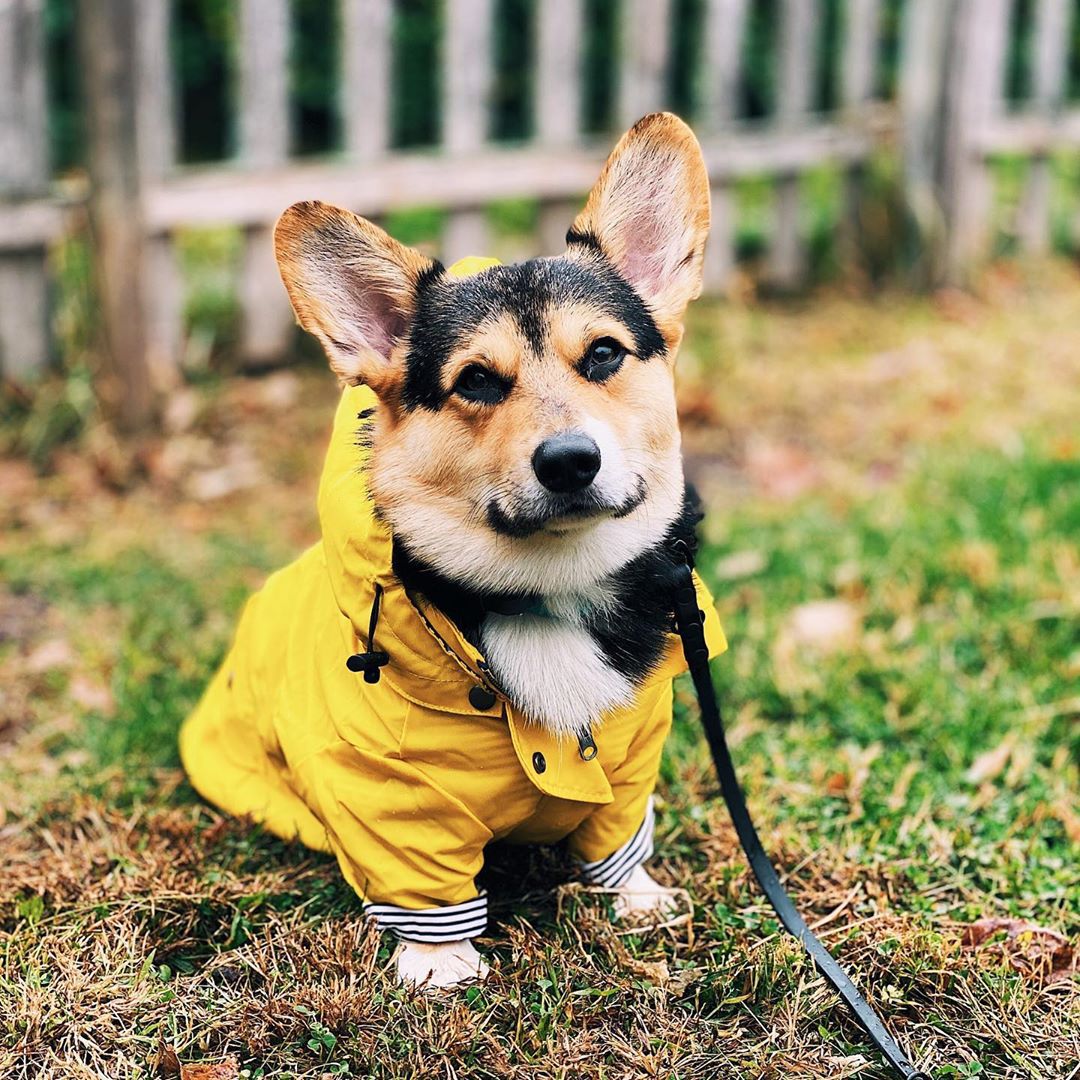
(465, 920)
(611, 872)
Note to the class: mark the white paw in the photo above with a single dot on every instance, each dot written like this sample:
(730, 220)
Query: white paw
(641, 895)
(439, 966)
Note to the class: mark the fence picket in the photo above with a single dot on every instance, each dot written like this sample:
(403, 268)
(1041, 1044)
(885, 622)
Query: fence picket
(725, 25)
(860, 54)
(366, 73)
(266, 317)
(157, 148)
(24, 319)
(975, 84)
(1050, 55)
(645, 49)
(859, 60)
(560, 29)
(467, 73)
(796, 68)
(924, 42)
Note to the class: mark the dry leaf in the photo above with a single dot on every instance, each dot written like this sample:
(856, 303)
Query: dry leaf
(91, 695)
(229, 1069)
(739, 564)
(782, 471)
(167, 1063)
(168, 1066)
(1037, 952)
(825, 626)
(991, 764)
(50, 655)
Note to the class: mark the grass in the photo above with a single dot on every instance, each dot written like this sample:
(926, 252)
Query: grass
(895, 494)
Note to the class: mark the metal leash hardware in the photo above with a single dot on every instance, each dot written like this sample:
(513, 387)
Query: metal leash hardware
(690, 624)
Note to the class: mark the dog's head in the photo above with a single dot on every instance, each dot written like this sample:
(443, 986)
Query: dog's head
(526, 438)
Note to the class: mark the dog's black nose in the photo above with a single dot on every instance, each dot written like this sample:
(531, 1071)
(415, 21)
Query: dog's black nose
(566, 462)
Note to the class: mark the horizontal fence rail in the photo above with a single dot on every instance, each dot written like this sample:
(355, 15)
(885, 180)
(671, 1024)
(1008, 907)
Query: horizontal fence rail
(948, 117)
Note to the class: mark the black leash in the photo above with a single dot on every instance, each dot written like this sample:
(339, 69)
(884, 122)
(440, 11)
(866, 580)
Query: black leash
(689, 621)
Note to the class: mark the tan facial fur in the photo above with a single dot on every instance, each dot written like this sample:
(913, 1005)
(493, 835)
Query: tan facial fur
(437, 469)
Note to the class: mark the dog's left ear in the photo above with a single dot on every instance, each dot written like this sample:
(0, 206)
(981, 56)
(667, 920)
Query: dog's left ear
(352, 286)
(649, 213)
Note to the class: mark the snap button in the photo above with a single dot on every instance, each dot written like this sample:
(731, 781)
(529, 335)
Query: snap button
(481, 698)
(539, 762)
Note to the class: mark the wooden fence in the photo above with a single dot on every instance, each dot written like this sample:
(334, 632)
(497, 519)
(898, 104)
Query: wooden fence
(947, 117)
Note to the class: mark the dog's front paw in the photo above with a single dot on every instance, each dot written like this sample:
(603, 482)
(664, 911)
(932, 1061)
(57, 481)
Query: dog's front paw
(641, 895)
(440, 966)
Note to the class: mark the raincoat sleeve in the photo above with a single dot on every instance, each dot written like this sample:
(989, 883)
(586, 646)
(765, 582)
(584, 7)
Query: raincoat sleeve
(409, 848)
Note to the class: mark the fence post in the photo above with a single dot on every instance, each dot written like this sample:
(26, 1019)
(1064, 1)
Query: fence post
(645, 31)
(975, 68)
(467, 70)
(267, 320)
(924, 52)
(157, 148)
(24, 323)
(365, 89)
(796, 70)
(108, 58)
(560, 29)
(858, 74)
(725, 25)
(1050, 54)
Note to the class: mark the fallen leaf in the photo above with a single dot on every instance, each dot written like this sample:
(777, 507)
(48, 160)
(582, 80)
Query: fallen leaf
(991, 764)
(825, 626)
(782, 471)
(229, 1069)
(168, 1065)
(90, 695)
(739, 564)
(50, 655)
(1037, 952)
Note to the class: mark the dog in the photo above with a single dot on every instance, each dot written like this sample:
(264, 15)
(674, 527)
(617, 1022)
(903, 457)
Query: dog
(481, 645)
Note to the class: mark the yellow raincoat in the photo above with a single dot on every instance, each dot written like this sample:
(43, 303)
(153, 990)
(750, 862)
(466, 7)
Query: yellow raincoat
(407, 779)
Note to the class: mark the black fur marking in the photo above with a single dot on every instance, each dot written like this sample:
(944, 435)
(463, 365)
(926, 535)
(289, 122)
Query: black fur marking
(365, 432)
(365, 414)
(632, 632)
(583, 239)
(449, 311)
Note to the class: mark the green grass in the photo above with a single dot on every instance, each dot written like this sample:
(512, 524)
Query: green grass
(962, 578)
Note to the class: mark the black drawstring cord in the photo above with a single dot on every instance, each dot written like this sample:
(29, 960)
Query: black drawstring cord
(689, 622)
(369, 662)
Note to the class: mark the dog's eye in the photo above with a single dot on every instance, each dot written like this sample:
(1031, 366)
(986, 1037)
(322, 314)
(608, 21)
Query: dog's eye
(477, 383)
(602, 359)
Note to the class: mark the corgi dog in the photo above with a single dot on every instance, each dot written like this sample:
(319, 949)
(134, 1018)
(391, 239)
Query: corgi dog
(522, 453)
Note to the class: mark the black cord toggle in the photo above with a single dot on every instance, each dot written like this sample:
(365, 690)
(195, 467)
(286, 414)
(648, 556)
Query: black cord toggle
(369, 662)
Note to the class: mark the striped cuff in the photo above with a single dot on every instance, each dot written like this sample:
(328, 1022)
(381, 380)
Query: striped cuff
(611, 872)
(465, 920)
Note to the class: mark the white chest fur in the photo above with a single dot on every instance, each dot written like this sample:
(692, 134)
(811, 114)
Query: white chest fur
(553, 669)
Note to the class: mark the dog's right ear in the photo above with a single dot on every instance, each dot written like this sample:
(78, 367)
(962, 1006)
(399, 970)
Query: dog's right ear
(351, 285)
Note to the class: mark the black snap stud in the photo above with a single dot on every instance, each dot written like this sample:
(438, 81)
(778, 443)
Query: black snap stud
(539, 762)
(481, 698)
